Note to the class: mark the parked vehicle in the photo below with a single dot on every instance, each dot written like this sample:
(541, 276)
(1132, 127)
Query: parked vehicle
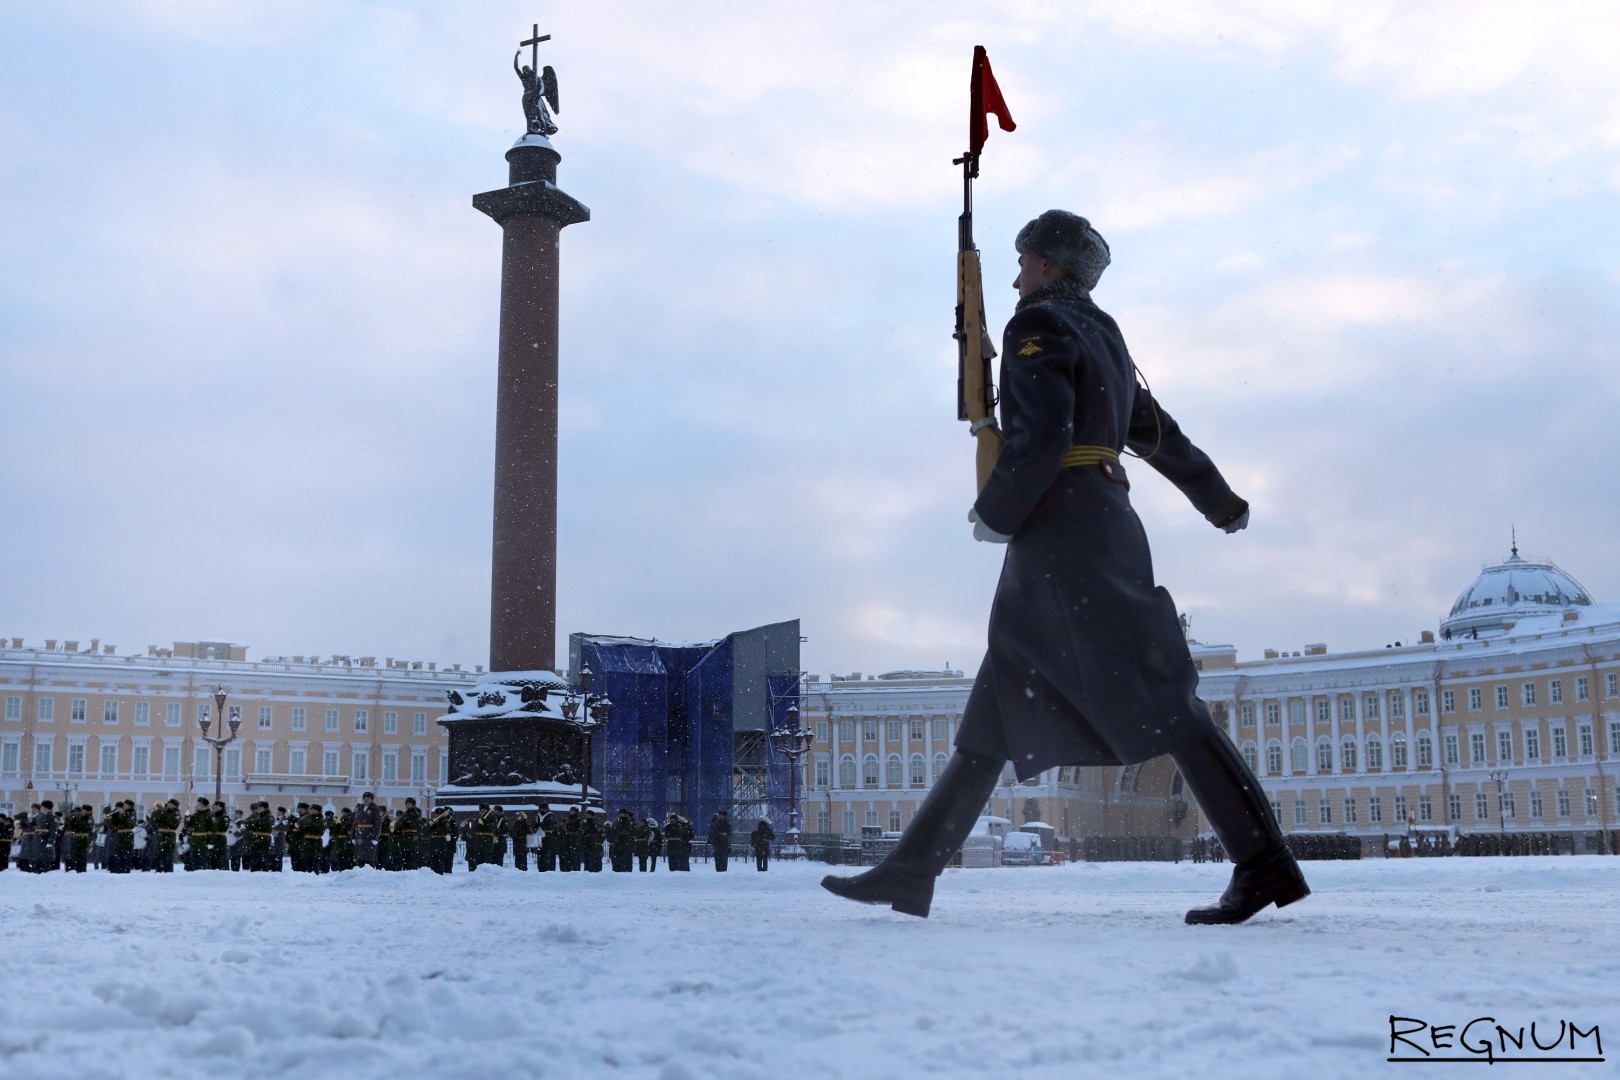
(1022, 849)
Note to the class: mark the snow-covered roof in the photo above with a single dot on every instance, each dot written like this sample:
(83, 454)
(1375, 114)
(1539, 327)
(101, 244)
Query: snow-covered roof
(1510, 592)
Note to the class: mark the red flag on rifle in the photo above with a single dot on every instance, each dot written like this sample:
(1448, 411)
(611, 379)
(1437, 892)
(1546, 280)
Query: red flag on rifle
(986, 99)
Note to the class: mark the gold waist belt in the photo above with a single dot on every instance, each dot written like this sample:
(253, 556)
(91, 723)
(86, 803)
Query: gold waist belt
(1088, 455)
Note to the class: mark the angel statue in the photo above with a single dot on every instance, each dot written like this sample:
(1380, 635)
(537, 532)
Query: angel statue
(537, 94)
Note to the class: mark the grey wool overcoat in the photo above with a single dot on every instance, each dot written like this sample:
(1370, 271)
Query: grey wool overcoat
(1087, 662)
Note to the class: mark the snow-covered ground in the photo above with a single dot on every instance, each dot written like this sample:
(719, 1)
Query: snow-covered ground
(1077, 971)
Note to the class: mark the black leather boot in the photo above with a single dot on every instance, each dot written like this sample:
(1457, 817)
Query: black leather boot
(1232, 799)
(905, 878)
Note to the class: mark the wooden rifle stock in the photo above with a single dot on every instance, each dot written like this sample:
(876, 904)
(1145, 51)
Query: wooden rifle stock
(976, 393)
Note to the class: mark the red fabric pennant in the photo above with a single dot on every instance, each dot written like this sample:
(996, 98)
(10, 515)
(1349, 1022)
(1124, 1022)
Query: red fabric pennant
(987, 99)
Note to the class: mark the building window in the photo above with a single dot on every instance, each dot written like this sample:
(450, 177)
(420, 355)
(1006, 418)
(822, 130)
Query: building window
(1448, 701)
(894, 821)
(47, 710)
(823, 731)
(1451, 748)
(1481, 812)
(1300, 755)
(360, 764)
(264, 718)
(1609, 684)
(1582, 690)
(939, 765)
(143, 714)
(1375, 811)
(78, 711)
(1273, 714)
(1614, 736)
(1560, 745)
(849, 823)
(419, 723)
(1535, 803)
(1276, 809)
(109, 759)
(1324, 711)
(390, 723)
(1397, 750)
(1504, 747)
(261, 762)
(1529, 693)
(1246, 715)
(331, 719)
(14, 707)
(171, 714)
(1375, 752)
(891, 730)
(1274, 757)
(1454, 806)
(919, 771)
(1347, 754)
(109, 711)
(329, 763)
(1555, 692)
(300, 719)
(1425, 808)
(1324, 812)
(1563, 802)
(1425, 749)
(846, 771)
(1299, 812)
(1420, 703)
(298, 759)
(76, 758)
(233, 763)
(1397, 705)
(1532, 744)
(823, 775)
(199, 761)
(143, 761)
(869, 771)
(1474, 699)
(942, 730)
(418, 766)
(1296, 712)
(1400, 809)
(1501, 697)
(1324, 754)
(1251, 756)
(1349, 811)
(914, 728)
(390, 772)
(1583, 736)
(171, 762)
(891, 771)
(869, 731)
(871, 819)
(1508, 809)
(1476, 747)
(1347, 710)
(362, 721)
(1370, 703)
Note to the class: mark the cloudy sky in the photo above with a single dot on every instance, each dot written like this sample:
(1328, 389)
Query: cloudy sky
(1364, 253)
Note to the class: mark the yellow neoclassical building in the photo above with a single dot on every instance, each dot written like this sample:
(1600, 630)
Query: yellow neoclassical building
(84, 724)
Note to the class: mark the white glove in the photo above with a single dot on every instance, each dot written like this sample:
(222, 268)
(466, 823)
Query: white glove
(984, 533)
(1242, 522)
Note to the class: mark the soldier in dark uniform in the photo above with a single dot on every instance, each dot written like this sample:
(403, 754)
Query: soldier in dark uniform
(80, 828)
(257, 839)
(678, 835)
(480, 837)
(8, 834)
(760, 840)
(549, 825)
(121, 837)
(48, 828)
(441, 828)
(219, 839)
(367, 827)
(236, 839)
(720, 840)
(1087, 662)
(307, 838)
(280, 827)
(568, 842)
(199, 824)
(408, 835)
(519, 830)
(341, 830)
(163, 826)
(496, 852)
(590, 843)
(655, 844)
(621, 841)
(640, 842)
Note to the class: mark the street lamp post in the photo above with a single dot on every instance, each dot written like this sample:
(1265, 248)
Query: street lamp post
(219, 744)
(595, 714)
(792, 742)
(1500, 777)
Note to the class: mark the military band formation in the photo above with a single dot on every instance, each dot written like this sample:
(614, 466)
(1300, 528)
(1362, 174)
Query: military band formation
(314, 840)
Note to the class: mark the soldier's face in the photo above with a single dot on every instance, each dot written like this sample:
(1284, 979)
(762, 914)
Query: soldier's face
(1033, 272)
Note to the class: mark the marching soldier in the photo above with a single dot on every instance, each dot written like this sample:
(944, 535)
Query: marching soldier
(497, 847)
(760, 840)
(122, 837)
(441, 829)
(481, 838)
(260, 827)
(519, 830)
(549, 825)
(219, 839)
(309, 828)
(408, 835)
(621, 841)
(163, 826)
(678, 835)
(342, 833)
(590, 843)
(280, 830)
(199, 827)
(720, 839)
(568, 850)
(367, 828)
(79, 829)
(8, 834)
(641, 840)
(655, 845)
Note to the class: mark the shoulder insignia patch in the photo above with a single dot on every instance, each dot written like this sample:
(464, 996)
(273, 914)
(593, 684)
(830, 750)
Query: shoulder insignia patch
(1031, 346)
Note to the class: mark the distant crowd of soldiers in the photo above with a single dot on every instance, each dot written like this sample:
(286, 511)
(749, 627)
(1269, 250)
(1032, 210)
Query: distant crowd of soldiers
(313, 840)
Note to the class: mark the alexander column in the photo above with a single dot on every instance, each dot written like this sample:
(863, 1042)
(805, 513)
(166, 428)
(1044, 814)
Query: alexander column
(531, 211)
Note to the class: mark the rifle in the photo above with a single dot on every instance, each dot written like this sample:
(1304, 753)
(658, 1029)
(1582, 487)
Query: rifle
(975, 391)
